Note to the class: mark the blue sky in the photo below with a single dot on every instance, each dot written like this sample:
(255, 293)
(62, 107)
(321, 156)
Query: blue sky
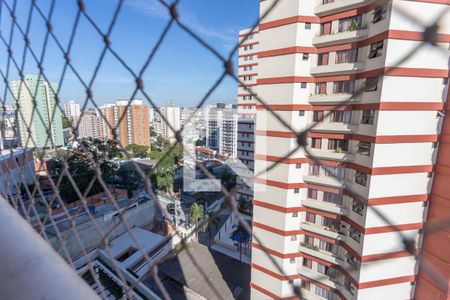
(182, 70)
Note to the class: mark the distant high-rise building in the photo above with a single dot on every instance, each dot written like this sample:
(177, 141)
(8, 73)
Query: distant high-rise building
(172, 116)
(197, 118)
(89, 124)
(9, 133)
(72, 109)
(248, 73)
(40, 123)
(221, 128)
(131, 122)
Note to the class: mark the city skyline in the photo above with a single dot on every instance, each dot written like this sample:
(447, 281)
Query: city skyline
(178, 76)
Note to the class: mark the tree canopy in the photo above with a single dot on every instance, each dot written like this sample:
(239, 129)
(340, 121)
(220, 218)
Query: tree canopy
(82, 162)
(140, 151)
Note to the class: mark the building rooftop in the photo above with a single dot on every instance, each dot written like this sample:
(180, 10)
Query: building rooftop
(147, 240)
(228, 277)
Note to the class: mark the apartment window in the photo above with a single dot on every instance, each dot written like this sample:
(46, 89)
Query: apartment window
(311, 218)
(364, 148)
(349, 286)
(296, 191)
(379, 14)
(343, 87)
(337, 145)
(293, 237)
(321, 268)
(312, 194)
(292, 260)
(318, 115)
(336, 172)
(298, 166)
(323, 59)
(351, 260)
(301, 113)
(316, 143)
(314, 170)
(303, 85)
(306, 285)
(307, 25)
(361, 178)
(430, 174)
(326, 270)
(325, 28)
(371, 84)
(295, 214)
(341, 116)
(305, 56)
(307, 263)
(321, 88)
(376, 49)
(434, 145)
(332, 198)
(330, 223)
(367, 116)
(354, 234)
(347, 56)
(309, 240)
(350, 24)
(358, 207)
(445, 81)
(323, 292)
(325, 246)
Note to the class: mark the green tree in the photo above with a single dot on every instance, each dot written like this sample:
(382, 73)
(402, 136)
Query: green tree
(165, 173)
(66, 122)
(201, 142)
(82, 162)
(152, 132)
(228, 179)
(196, 213)
(162, 144)
(139, 150)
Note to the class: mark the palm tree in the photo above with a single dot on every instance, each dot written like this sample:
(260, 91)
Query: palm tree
(196, 213)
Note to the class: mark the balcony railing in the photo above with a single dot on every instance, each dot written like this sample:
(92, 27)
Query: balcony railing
(348, 36)
(333, 6)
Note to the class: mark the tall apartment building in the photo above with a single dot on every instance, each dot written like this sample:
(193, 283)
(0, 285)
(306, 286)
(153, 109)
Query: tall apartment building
(131, 122)
(89, 124)
(323, 226)
(221, 129)
(8, 128)
(172, 116)
(248, 74)
(40, 123)
(197, 118)
(72, 109)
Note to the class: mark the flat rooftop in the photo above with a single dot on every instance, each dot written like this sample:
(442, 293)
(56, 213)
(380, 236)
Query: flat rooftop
(223, 275)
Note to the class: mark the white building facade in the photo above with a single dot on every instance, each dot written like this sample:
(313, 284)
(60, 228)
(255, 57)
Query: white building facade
(89, 125)
(248, 74)
(72, 109)
(323, 226)
(221, 129)
(170, 114)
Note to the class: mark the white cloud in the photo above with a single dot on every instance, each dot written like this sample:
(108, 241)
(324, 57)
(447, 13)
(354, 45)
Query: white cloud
(154, 8)
(149, 7)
